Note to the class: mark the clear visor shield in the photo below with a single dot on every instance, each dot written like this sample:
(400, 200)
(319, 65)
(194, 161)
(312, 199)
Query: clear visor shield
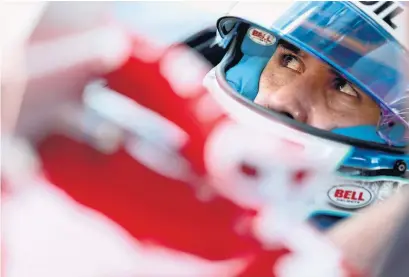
(326, 64)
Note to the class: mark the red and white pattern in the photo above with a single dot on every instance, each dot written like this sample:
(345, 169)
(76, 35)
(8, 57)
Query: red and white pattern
(154, 205)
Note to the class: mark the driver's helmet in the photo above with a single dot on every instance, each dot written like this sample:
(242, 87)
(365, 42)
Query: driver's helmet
(331, 70)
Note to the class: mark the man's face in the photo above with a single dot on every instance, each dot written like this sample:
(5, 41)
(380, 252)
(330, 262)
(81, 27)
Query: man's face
(305, 88)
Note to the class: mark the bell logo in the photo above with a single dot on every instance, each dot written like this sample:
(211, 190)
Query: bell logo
(261, 37)
(350, 196)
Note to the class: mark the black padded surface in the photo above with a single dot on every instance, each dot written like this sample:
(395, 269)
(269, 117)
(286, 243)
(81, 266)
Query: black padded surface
(203, 43)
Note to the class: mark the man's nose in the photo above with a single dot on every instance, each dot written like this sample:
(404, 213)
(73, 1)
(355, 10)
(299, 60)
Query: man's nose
(295, 99)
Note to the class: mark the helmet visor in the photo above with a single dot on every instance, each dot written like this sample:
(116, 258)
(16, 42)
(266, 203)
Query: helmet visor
(365, 61)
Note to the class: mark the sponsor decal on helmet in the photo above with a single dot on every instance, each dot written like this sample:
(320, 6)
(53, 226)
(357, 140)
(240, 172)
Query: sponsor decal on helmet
(386, 11)
(390, 15)
(350, 196)
(261, 37)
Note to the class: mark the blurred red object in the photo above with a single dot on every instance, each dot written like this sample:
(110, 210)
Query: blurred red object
(125, 188)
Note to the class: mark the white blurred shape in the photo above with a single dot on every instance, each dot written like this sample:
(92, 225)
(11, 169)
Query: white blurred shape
(107, 44)
(17, 22)
(185, 70)
(169, 22)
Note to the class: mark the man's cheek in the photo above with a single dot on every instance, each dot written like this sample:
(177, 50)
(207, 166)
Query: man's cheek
(349, 113)
(323, 119)
(343, 104)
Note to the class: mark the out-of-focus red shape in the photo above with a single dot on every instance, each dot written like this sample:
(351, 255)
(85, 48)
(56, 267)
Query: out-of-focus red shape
(150, 206)
(181, 213)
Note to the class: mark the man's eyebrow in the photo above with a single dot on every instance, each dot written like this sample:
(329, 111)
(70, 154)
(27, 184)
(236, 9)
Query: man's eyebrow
(290, 47)
(336, 73)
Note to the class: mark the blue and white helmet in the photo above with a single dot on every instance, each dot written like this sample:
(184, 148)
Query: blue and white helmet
(366, 43)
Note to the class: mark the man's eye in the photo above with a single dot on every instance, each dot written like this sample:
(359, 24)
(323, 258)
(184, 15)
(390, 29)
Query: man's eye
(343, 86)
(292, 62)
